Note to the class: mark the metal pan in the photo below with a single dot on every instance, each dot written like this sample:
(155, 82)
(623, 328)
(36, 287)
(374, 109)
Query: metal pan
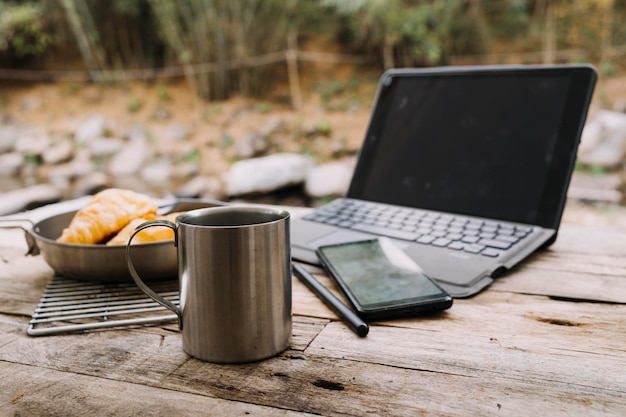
(106, 263)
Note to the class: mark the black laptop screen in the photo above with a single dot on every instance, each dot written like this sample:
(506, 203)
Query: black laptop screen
(497, 144)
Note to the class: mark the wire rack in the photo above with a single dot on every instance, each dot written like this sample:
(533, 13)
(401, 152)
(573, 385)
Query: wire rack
(72, 306)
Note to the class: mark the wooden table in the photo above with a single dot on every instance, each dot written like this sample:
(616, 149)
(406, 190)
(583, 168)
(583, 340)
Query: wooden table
(546, 339)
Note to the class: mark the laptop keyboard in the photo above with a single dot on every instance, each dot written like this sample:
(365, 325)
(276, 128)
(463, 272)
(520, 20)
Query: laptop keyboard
(455, 232)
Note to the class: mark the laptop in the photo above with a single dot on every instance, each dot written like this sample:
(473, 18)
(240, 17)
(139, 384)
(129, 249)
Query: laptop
(465, 168)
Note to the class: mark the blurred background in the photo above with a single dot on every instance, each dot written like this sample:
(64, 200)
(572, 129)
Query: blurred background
(266, 100)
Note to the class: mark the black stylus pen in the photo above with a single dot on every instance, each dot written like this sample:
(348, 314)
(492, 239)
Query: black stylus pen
(348, 316)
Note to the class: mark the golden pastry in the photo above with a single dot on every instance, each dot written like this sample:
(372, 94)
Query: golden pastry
(105, 214)
(151, 234)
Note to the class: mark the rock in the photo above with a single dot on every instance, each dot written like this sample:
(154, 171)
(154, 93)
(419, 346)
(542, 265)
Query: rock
(589, 187)
(175, 132)
(331, 179)
(27, 198)
(202, 186)
(30, 104)
(603, 141)
(257, 142)
(59, 152)
(161, 113)
(91, 184)
(130, 158)
(267, 173)
(8, 137)
(137, 133)
(192, 188)
(159, 172)
(184, 170)
(32, 141)
(91, 128)
(620, 106)
(105, 146)
(80, 166)
(10, 164)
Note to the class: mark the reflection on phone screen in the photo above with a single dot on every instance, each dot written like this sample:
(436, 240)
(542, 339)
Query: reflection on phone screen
(377, 273)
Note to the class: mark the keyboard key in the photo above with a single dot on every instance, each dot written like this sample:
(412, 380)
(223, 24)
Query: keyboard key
(441, 242)
(506, 238)
(456, 246)
(472, 225)
(470, 239)
(473, 248)
(491, 252)
(427, 239)
(494, 243)
(398, 234)
(453, 229)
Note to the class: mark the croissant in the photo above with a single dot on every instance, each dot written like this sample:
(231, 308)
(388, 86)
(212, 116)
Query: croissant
(151, 234)
(105, 214)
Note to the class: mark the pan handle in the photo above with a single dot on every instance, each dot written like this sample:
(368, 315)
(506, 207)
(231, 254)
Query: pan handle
(33, 248)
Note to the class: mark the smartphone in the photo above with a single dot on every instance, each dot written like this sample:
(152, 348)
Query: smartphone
(381, 281)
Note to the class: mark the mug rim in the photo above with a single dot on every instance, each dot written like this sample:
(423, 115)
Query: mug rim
(280, 215)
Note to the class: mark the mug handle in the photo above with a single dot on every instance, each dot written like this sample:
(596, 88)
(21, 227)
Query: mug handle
(133, 272)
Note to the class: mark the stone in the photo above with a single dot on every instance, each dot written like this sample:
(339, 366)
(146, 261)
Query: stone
(603, 141)
(27, 198)
(103, 146)
(268, 173)
(10, 164)
(175, 132)
(32, 141)
(130, 158)
(59, 152)
(184, 170)
(257, 142)
(91, 184)
(8, 137)
(193, 188)
(90, 128)
(330, 179)
(157, 172)
(30, 104)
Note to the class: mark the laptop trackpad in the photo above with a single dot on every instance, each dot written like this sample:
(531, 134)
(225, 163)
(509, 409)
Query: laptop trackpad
(339, 236)
(449, 266)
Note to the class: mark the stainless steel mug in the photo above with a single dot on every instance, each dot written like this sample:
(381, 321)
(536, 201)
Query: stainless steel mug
(234, 268)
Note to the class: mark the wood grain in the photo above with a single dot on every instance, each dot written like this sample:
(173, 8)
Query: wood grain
(546, 339)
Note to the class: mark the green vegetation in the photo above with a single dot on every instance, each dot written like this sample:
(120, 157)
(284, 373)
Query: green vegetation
(22, 31)
(239, 47)
(135, 105)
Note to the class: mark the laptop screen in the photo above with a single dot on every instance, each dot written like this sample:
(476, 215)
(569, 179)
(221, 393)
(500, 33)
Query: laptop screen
(490, 143)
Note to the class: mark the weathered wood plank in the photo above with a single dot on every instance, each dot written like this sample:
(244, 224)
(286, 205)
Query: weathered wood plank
(490, 355)
(587, 263)
(23, 280)
(518, 336)
(29, 391)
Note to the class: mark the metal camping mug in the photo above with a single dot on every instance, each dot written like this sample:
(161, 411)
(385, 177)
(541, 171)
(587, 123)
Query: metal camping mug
(234, 270)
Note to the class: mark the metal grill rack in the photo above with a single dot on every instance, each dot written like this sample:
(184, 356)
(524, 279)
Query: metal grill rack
(70, 306)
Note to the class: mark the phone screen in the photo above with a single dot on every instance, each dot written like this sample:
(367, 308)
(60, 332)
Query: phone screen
(377, 274)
